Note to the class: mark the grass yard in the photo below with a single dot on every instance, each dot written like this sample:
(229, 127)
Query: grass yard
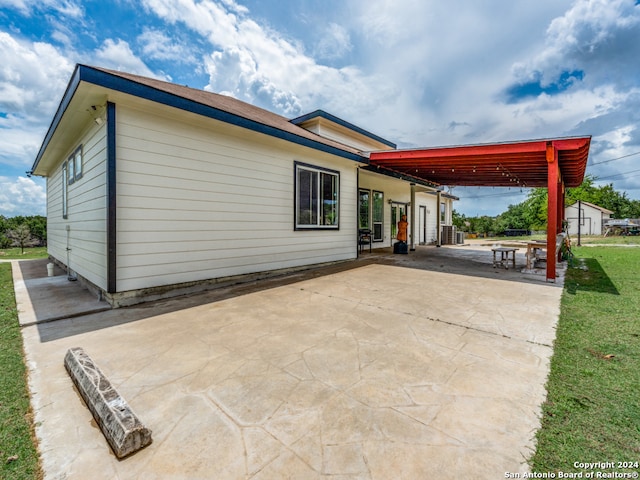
(29, 253)
(613, 240)
(592, 412)
(18, 455)
(584, 239)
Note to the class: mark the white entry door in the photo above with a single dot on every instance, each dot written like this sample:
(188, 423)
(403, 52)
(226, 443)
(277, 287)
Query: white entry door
(422, 225)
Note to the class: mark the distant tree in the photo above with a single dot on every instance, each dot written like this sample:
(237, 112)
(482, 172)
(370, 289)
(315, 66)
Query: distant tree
(604, 196)
(515, 217)
(535, 209)
(531, 214)
(587, 192)
(21, 237)
(459, 220)
(5, 242)
(485, 224)
(38, 226)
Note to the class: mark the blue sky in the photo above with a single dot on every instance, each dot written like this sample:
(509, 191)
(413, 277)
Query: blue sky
(417, 72)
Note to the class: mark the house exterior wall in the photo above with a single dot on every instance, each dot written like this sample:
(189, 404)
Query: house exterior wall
(84, 229)
(399, 191)
(199, 199)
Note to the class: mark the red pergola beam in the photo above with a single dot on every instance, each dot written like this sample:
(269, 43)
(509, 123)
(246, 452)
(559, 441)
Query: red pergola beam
(488, 164)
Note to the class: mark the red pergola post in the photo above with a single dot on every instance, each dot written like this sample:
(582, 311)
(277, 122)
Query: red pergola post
(553, 217)
(561, 193)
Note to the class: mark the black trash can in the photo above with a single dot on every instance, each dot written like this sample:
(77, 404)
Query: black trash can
(401, 247)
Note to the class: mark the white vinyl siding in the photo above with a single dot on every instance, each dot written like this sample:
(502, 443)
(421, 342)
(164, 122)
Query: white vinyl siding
(86, 216)
(431, 203)
(200, 199)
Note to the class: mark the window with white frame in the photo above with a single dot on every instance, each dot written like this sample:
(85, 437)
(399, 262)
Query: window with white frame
(71, 172)
(317, 197)
(64, 189)
(77, 163)
(74, 165)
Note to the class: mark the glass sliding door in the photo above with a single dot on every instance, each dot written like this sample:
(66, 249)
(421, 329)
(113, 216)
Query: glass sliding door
(397, 210)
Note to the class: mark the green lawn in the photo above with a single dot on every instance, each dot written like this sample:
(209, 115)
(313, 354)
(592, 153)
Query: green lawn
(18, 455)
(592, 412)
(16, 254)
(584, 239)
(614, 240)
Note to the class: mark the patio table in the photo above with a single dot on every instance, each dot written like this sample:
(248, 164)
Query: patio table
(534, 249)
(504, 256)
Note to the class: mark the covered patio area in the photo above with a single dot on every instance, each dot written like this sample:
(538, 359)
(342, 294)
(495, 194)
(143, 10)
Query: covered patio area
(554, 164)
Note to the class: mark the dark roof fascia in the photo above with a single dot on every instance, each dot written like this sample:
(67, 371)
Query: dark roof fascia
(443, 194)
(147, 92)
(450, 196)
(72, 86)
(399, 176)
(344, 123)
(131, 87)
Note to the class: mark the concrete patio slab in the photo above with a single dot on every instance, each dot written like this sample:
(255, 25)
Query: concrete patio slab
(40, 298)
(392, 369)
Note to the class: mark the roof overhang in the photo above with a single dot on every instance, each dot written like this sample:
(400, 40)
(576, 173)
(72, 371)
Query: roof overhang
(320, 116)
(91, 86)
(511, 164)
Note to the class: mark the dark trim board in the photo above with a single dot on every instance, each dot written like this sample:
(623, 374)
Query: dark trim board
(84, 73)
(72, 86)
(111, 198)
(344, 123)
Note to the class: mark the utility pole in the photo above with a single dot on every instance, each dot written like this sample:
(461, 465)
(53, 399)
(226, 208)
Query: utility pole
(579, 220)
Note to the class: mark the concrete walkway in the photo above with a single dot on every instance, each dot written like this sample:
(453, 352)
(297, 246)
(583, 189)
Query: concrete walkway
(430, 365)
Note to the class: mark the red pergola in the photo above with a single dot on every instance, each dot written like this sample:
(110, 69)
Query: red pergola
(552, 163)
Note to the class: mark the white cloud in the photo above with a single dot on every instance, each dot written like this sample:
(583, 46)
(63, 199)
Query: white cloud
(598, 36)
(32, 80)
(159, 46)
(21, 196)
(29, 7)
(235, 72)
(334, 43)
(117, 54)
(31, 77)
(261, 66)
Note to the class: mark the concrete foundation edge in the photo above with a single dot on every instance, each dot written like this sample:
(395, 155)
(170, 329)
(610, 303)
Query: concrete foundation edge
(129, 298)
(121, 427)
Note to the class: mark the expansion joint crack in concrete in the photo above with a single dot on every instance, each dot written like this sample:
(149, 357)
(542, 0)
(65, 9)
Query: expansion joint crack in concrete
(480, 330)
(439, 320)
